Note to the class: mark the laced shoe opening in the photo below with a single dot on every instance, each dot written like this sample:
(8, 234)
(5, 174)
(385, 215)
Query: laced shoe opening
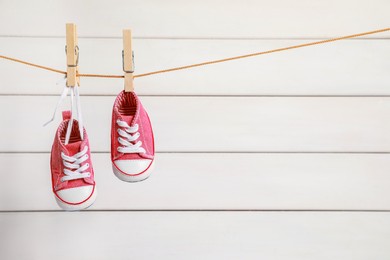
(74, 135)
(128, 104)
(127, 111)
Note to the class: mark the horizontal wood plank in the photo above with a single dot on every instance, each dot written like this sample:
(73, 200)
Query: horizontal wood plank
(215, 181)
(213, 18)
(355, 67)
(215, 124)
(195, 235)
(215, 153)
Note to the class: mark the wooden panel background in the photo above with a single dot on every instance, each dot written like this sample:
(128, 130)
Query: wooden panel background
(283, 156)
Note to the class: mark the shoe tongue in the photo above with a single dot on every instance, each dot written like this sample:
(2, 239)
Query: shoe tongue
(127, 119)
(73, 148)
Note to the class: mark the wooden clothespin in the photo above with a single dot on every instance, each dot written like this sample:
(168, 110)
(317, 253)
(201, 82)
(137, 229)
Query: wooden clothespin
(128, 60)
(72, 56)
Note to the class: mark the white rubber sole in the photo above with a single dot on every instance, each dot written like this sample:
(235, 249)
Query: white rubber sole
(70, 207)
(133, 178)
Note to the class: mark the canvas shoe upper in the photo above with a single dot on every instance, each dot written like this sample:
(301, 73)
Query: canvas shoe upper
(71, 168)
(132, 142)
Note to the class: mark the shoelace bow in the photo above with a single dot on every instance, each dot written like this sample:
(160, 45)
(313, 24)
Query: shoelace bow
(74, 92)
(127, 136)
(74, 162)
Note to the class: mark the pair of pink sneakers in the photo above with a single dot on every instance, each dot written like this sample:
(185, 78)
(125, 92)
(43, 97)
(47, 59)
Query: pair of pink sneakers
(132, 153)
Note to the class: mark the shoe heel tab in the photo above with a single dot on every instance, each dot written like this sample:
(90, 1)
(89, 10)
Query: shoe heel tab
(66, 115)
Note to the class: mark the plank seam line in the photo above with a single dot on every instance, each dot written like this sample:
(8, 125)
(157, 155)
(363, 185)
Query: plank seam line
(205, 210)
(207, 96)
(215, 152)
(190, 38)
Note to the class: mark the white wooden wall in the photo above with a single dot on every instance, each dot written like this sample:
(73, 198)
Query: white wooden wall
(284, 156)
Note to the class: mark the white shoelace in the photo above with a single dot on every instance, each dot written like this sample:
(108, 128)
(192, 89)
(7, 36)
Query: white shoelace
(74, 92)
(73, 162)
(128, 135)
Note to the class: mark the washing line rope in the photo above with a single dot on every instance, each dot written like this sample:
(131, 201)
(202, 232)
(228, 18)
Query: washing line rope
(203, 63)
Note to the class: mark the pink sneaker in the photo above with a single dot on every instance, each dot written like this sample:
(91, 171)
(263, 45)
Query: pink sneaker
(71, 167)
(132, 143)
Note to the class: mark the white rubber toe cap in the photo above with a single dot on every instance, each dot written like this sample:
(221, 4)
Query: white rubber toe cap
(133, 167)
(133, 170)
(75, 195)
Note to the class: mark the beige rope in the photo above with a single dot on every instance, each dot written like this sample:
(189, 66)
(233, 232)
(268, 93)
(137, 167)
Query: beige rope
(207, 62)
(32, 64)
